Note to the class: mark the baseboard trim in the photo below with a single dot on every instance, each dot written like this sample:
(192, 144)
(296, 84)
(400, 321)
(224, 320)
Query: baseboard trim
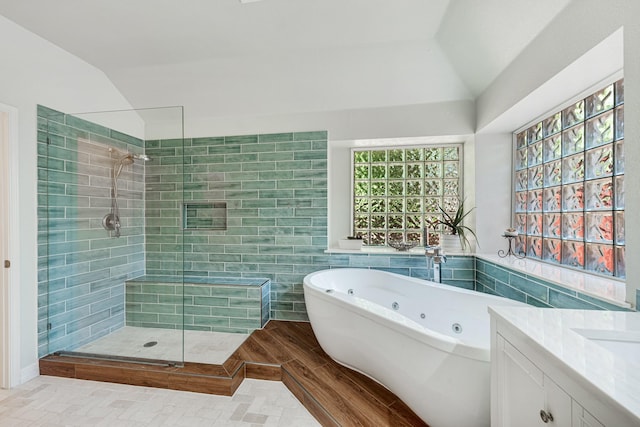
(29, 373)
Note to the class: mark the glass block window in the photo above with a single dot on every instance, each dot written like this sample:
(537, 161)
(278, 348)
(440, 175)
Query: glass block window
(397, 191)
(569, 185)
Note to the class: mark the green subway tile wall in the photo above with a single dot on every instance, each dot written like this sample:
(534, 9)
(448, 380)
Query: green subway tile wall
(457, 271)
(499, 280)
(275, 187)
(81, 267)
(222, 306)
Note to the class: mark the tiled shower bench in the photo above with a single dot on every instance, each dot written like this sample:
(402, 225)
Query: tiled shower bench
(210, 304)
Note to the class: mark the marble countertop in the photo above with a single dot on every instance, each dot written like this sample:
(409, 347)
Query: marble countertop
(612, 366)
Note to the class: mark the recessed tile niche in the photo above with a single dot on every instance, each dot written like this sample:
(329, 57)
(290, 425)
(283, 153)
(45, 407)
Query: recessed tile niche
(204, 216)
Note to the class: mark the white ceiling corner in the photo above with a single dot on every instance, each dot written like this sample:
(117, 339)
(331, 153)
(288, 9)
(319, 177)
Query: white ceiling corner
(481, 38)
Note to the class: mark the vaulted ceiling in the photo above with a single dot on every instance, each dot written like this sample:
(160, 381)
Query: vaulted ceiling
(224, 58)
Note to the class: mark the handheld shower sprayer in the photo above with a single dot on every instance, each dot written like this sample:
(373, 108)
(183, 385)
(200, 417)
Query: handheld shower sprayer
(111, 221)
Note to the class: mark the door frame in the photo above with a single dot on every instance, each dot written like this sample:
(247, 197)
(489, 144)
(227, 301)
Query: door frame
(9, 249)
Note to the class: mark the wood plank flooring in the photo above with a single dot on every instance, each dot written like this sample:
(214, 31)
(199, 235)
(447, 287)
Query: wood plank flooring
(282, 351)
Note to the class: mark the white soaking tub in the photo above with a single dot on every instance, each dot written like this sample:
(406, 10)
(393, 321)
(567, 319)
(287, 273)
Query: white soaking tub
(426, 342)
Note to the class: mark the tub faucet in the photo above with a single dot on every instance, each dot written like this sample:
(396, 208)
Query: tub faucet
(435, 253)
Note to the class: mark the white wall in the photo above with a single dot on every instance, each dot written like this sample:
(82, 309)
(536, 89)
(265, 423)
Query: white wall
(579, 28)
(444, 118)
(36, 72)
(632, 150)
(493, 190)
(305, 80)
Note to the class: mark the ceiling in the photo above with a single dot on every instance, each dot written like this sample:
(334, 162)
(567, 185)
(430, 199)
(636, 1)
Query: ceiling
(220, 57)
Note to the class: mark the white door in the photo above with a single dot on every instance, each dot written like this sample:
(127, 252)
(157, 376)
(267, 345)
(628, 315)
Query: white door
(4, 245)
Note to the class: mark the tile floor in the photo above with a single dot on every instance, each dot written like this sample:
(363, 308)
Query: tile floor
(201, 347)
(54, 401)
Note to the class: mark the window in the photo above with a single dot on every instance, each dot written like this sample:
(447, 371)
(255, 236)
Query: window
(569, 185)
(396, 191)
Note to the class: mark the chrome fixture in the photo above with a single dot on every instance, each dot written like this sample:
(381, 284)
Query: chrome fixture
(111, 221)
(435, 254)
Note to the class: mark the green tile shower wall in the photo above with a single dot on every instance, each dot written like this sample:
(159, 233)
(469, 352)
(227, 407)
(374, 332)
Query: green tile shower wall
(275, 186)
(81, 268)
(206, 307)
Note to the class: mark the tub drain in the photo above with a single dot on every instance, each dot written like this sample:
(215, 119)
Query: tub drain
(350, 291)
(150, 344)
(395, 306)
(457, 328)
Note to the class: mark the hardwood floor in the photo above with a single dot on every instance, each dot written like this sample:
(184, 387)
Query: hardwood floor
(282, 351)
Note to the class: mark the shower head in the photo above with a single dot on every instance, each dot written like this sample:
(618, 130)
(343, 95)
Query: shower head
(126, 160)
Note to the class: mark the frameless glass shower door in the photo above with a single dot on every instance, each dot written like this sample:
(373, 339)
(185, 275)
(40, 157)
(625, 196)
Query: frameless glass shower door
(99, 213)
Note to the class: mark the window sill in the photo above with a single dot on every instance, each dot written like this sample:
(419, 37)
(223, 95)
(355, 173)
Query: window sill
(418, 250)
(607, 289)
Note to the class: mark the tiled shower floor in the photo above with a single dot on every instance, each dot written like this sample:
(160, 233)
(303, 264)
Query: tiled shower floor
(199, 347)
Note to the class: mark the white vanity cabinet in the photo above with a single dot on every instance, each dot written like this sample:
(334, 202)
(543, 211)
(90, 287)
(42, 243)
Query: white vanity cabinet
(582, 418)
(526, 397)
(543, 373)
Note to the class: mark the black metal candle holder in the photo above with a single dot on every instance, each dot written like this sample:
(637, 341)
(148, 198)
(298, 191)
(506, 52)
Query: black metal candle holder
(510, 251)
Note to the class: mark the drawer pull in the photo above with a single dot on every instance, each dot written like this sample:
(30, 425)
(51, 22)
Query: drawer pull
(545, 416)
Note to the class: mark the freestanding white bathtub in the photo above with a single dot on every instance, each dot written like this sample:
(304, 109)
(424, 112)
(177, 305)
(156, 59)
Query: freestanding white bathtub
(426, 342)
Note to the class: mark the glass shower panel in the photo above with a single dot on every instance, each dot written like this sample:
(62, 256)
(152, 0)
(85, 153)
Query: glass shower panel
(97, 220)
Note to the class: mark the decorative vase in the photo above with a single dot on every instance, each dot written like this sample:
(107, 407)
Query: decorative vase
(450, 243)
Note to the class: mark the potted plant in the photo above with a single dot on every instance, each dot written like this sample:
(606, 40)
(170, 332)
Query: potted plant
(453, 225)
